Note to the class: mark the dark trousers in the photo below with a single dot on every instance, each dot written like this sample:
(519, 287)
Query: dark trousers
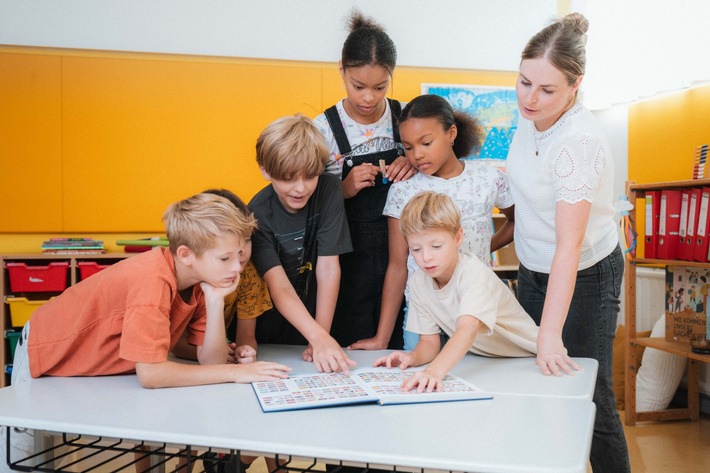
(589, 332)
(362, 275)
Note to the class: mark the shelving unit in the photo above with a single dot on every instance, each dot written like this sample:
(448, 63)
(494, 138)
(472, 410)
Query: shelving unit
(73, 277)
(691, 412)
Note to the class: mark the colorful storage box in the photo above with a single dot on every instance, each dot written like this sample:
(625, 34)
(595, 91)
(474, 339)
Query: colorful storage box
(21, 309)
(89, 268)
(12, 337)
(50, 278)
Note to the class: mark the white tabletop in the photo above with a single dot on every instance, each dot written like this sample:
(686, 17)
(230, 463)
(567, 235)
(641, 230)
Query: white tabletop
(495, 375)
(510, 433)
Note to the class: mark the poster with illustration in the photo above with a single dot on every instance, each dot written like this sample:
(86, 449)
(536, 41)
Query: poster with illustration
(495, 107)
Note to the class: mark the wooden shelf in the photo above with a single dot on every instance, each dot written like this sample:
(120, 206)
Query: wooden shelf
(505, 267)
(73, 259)
(692, 412)
(667, 262)
(668, 185)
(41, 256)
(680, 349)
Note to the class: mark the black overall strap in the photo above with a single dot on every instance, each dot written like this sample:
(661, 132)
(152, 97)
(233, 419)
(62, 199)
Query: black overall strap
(396, 109)
(331, 114)
(336, 125)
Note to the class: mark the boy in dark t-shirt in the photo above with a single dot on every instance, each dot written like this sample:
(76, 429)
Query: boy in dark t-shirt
(302, 231)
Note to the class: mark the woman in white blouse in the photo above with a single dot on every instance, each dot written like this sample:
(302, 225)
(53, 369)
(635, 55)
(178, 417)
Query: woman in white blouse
(561, 175)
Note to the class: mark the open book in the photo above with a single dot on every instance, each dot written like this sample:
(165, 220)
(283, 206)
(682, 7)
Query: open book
(381, 385)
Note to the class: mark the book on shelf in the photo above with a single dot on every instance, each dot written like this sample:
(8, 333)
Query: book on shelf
(152, 241)
(73, 251)
(700, 164)
(686, 312)
(72, 246)
(364, 385)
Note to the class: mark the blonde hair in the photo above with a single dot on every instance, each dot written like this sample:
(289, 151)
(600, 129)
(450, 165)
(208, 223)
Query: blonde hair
(291, 147)
(563, 44)
(429, 211)
(198, 221)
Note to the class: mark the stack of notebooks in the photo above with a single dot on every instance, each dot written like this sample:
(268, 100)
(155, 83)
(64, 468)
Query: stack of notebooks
(67, 246)
(142, 244)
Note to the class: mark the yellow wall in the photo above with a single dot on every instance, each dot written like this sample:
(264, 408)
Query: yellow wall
(100, 143)
(664, 132)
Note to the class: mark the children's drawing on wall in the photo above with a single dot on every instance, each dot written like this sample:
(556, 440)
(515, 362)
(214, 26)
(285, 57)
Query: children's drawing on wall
(495, 107)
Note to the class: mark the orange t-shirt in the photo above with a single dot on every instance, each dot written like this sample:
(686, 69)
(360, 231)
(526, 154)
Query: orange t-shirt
(129, 312)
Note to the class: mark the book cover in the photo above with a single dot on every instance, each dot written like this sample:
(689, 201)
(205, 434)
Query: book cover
(365, 385)
(686, 289)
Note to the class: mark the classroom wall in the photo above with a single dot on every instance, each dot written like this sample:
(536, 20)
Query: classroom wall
(664, 132)
(111, 110)
(461, 34)
(97, 141)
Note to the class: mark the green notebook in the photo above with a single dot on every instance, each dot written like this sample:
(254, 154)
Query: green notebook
(153, 241)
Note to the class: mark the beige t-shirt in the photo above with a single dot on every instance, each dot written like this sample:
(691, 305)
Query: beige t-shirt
(474, 289)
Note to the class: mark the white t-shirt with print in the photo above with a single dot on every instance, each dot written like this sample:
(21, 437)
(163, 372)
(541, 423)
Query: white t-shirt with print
(364, 139)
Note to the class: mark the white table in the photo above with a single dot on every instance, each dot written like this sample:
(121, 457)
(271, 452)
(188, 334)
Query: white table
(519, 376)
(533, 423)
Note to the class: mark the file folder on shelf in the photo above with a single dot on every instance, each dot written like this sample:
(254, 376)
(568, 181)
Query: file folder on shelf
(682, 252)
(700, 252)
(668, 224)
(653, 205)
(685, 252)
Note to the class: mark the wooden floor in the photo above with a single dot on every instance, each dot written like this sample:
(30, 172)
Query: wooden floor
(669, 446)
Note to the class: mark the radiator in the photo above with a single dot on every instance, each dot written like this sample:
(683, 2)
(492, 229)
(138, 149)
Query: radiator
(650, 297)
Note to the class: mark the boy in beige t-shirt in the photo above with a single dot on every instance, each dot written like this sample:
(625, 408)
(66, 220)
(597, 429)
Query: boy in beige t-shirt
(454, 293)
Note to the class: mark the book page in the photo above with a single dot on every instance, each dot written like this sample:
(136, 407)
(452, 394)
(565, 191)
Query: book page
(381, 385)
(385, 384)
(307, 391)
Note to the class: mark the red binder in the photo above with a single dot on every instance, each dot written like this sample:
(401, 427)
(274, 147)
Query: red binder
(682, 252)
(653, 207)
(700, 252)
(669, 224)
(687, 248)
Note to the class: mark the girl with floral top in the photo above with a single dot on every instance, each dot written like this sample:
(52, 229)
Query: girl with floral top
(435, 138)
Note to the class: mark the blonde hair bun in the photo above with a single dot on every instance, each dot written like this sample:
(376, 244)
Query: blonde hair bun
(577, 20)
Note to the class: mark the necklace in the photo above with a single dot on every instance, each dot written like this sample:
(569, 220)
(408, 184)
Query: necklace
(537, 142)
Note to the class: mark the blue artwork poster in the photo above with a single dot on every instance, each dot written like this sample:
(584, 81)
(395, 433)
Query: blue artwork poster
(495, 107)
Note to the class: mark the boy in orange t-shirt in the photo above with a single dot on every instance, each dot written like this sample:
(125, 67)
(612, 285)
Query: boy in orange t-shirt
(129, 316)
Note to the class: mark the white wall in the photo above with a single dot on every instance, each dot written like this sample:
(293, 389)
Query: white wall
(468, 34)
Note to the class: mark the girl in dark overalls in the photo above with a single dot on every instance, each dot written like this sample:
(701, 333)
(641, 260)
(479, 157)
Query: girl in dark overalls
(361, 132)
